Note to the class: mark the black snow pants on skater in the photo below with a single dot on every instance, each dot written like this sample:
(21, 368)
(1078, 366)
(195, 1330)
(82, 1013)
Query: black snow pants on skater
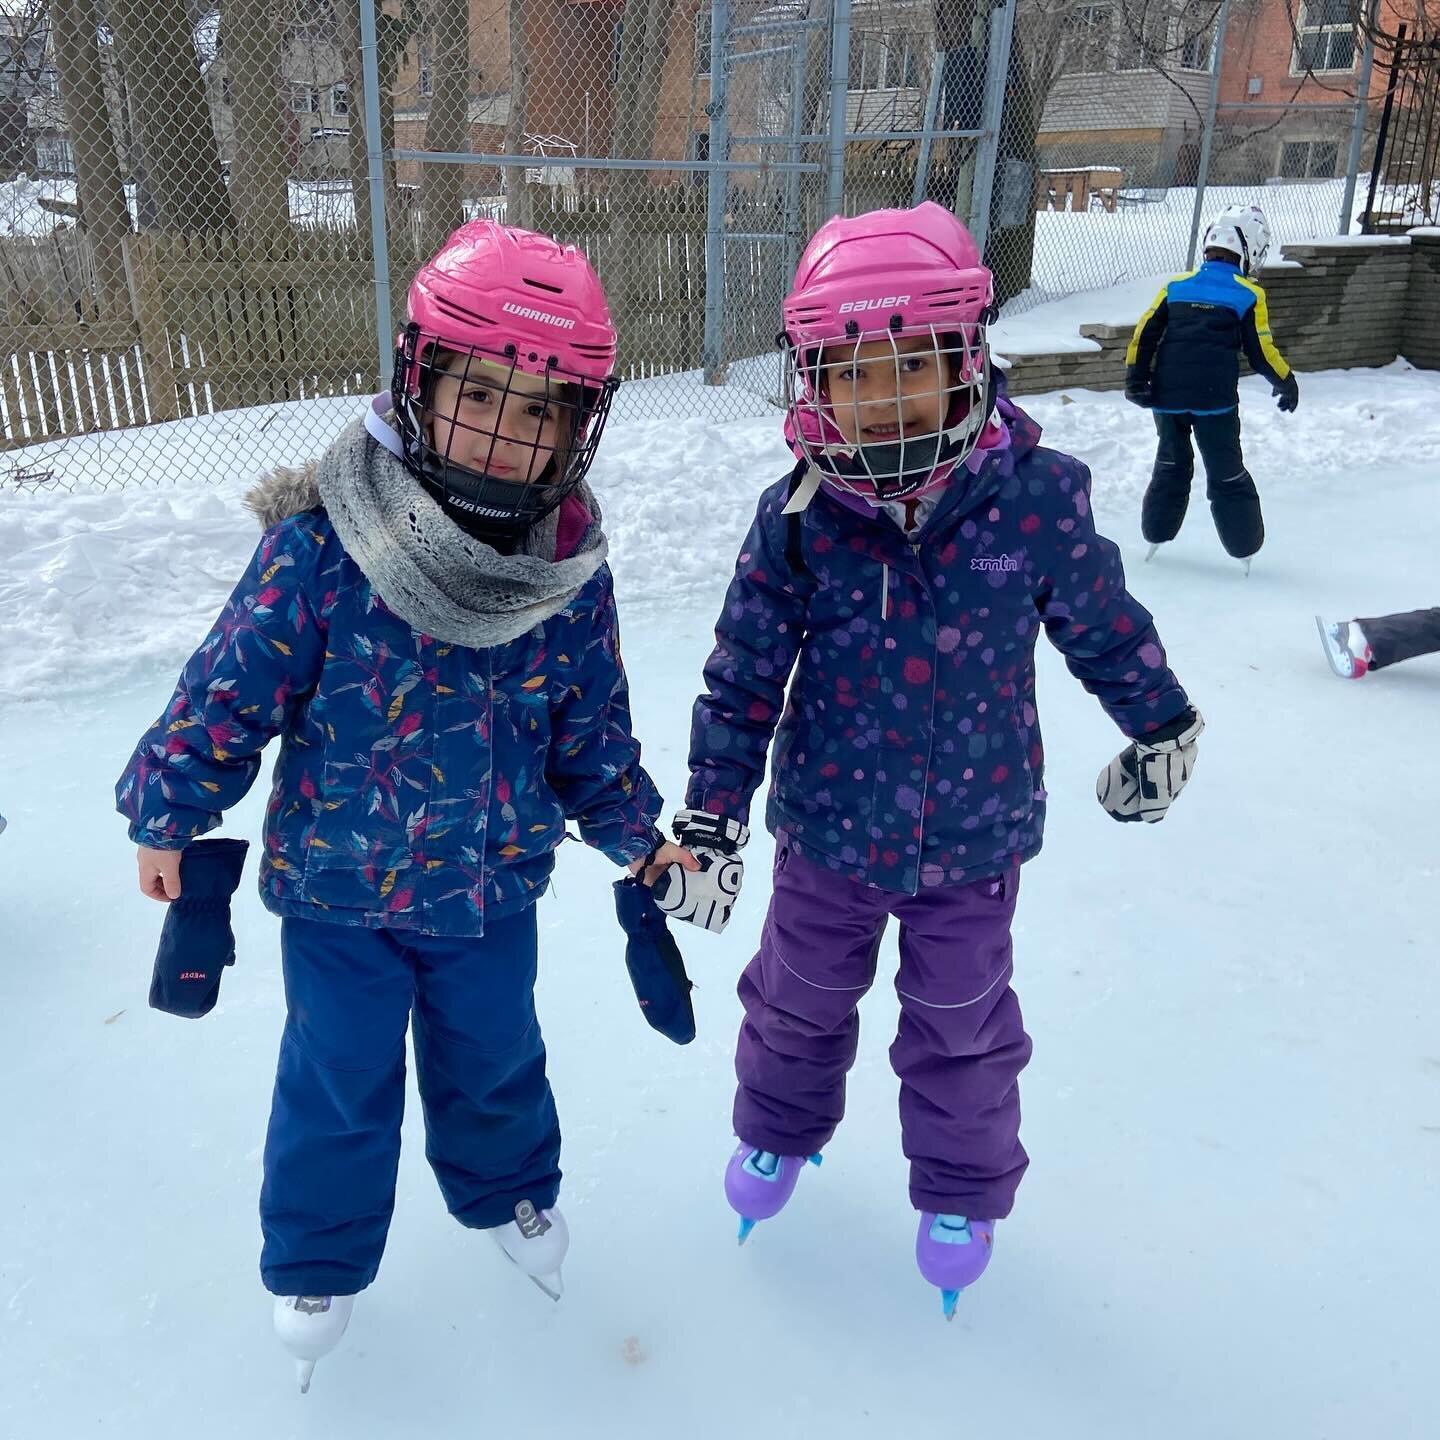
(1394, 638)
(1233, 500)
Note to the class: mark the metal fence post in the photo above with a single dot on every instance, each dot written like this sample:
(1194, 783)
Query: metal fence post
(716, 191)
(1207, 142)
(1357, 132)
(987, 152)
(375, 156)
(839, 104)
(797, 129)
(932, 104)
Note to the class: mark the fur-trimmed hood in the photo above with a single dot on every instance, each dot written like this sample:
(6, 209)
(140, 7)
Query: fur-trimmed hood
(285, 491)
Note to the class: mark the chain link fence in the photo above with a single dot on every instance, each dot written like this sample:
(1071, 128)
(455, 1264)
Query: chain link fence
(210, 212)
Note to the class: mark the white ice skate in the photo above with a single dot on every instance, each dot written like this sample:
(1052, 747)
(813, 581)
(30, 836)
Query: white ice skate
(1346, 647)
(310, 1327)
(536, 1241)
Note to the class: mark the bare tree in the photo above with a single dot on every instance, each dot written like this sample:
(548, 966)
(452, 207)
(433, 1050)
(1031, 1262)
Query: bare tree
(99, 188)
(394, 31)
(162, 74)
(644, 49)
(260, 167)
(447, 126)
(519, 201)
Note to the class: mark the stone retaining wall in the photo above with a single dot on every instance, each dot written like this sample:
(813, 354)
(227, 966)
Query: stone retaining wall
(1334, 305)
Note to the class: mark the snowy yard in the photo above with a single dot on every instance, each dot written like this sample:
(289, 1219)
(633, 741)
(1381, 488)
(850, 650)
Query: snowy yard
(1233, 1113)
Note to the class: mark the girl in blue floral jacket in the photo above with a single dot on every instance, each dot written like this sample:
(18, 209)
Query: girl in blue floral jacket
(429, 624)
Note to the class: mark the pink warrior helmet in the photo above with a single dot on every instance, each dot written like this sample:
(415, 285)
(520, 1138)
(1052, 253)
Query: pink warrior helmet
(866, 291)
(519, 324)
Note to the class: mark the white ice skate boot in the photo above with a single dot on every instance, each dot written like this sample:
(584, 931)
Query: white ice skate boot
(1346, 647)
(536, 1241)
(310, 1327)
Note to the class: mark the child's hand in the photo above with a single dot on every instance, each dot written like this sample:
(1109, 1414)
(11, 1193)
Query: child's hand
(159, 873)
(1142, 781)
(667, 855)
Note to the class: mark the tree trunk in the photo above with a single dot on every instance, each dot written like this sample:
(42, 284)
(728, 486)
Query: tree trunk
(447, 128)
(519, 201)
(162, 74)
(644, 49)
(260, 167)
(1010, 252)
(99, 186)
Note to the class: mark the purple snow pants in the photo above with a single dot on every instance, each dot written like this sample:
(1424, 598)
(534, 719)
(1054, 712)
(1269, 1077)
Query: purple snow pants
(960, 1047)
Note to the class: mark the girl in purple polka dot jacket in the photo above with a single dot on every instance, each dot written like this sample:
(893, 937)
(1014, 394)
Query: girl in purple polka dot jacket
(897, 580)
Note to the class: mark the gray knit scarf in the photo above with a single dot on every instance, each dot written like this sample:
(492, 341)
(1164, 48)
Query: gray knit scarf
(433, 575)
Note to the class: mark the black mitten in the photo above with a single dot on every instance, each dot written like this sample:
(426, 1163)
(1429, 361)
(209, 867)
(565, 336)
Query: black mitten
(653, 959)
(196, 943)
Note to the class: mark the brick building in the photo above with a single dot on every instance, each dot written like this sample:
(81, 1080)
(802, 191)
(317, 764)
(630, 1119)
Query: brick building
(1288, 84)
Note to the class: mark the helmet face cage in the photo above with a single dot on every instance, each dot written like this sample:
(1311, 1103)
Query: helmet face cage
(492, 466)
(914, 429)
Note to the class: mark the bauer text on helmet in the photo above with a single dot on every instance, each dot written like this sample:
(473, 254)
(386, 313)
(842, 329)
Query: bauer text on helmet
(886, 369)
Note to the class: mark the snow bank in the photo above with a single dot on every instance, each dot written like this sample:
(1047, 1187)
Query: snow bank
(96, 586)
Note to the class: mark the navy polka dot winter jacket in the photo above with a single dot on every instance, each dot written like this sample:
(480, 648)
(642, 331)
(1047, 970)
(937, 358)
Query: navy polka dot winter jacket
(908, 751)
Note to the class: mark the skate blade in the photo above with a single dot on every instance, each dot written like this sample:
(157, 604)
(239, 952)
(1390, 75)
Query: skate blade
(304, 1370)
(1246, 564)
(1336, 663)
(551, 1285)
(1150, 553)
(948, 1301)
(746, 1226)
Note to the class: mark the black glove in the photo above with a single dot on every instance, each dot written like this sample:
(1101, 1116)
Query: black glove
(657, 970)
(196, 943)
(1137, 391)
(705, 896)
(1289, 392)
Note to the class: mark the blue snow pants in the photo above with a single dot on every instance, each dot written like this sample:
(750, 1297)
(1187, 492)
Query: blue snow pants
(333, 1147)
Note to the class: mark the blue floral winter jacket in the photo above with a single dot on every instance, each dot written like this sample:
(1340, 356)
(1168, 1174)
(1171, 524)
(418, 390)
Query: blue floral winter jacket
(909, 750)
(420, 785)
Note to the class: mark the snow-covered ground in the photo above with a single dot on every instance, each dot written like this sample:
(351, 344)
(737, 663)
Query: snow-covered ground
(1228, 1229)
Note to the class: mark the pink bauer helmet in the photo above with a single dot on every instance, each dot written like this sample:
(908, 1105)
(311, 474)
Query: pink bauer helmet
(885, 277)
(495, 301)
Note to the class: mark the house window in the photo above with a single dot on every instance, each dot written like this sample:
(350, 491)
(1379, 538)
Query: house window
(339, 99)
(1324, 37)
(54, 155)
(1309, 159)
(1085, 37)
(1197, 51)
(303, 100)
(702, 42)
(427, 76)
(884, 61)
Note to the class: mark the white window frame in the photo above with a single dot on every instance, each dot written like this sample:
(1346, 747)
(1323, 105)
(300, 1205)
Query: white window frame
(303, 100)
(702, 42)
(1185, 41)
(1349, 29)
(338, 99)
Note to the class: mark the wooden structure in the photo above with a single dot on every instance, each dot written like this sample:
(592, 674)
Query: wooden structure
(1076, 190)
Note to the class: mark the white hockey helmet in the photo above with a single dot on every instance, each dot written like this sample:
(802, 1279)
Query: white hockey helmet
(1244, 231)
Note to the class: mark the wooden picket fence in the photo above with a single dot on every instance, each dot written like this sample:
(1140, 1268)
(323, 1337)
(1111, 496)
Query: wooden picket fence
(213, 323)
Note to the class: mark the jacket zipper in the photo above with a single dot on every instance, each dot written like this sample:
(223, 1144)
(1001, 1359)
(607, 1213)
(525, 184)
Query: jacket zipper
(884, 591)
